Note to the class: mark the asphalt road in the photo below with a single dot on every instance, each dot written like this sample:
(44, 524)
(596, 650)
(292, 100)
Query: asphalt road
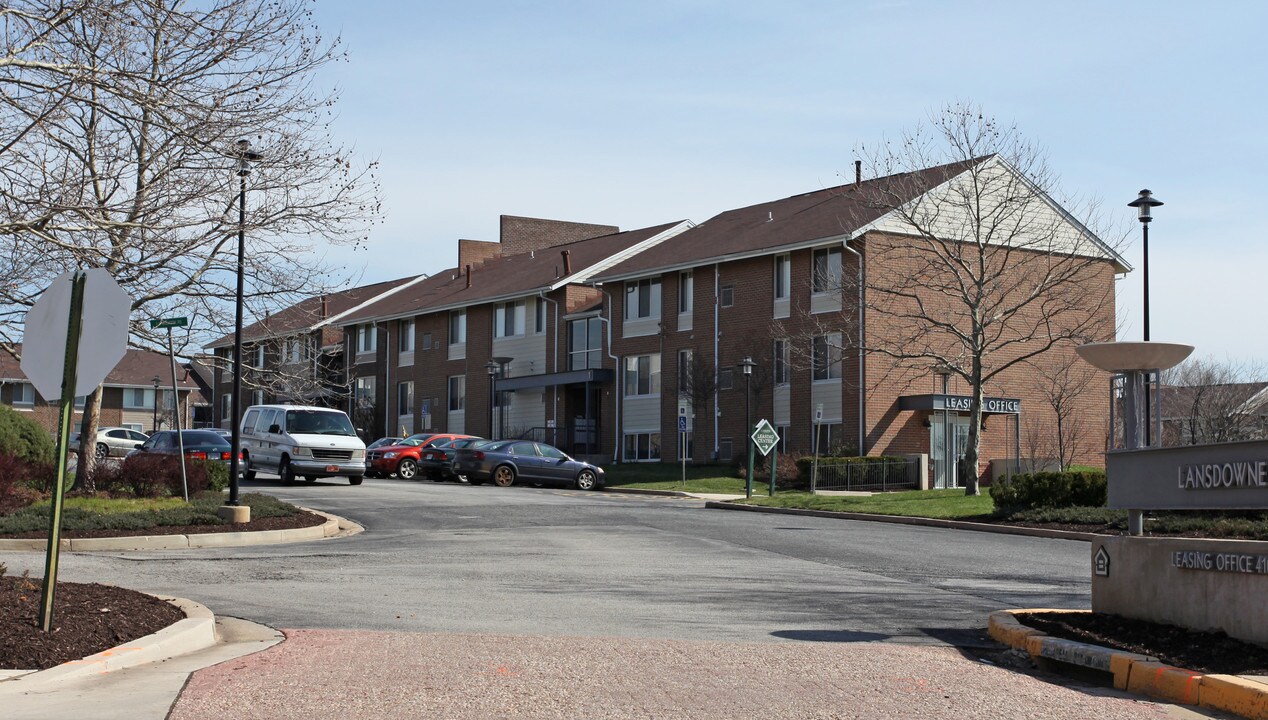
(480, 559)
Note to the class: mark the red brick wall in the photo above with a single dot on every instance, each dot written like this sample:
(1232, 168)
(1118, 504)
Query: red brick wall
(475, 252)
(521, 234)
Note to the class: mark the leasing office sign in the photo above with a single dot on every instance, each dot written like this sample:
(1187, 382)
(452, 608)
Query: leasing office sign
(1191, 477)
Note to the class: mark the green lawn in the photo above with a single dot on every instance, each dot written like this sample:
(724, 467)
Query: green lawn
(663, 476)
(114, 506)
(945, 504)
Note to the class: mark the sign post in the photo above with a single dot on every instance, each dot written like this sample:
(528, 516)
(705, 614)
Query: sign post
(814, 470)
(682, 441)
(170, 323)
(81, 319)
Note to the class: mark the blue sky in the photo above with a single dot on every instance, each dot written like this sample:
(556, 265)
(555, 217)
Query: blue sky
(634, 114)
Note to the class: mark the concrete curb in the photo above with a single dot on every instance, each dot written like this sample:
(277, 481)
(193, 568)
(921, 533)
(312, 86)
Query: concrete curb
(1138, 674)
(903, 520)
(646, 491)
(196, 632)
(333, 526)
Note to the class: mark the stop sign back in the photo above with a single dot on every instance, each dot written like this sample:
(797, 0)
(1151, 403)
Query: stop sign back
(103, 339)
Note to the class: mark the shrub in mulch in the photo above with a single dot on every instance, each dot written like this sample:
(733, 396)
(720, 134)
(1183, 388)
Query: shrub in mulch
(87, 619)
(1027, 491)
(151, 475)
(1244, 524)
(19, 478)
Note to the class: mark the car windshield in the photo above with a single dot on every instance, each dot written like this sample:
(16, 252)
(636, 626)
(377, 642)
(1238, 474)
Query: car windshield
(317, 422)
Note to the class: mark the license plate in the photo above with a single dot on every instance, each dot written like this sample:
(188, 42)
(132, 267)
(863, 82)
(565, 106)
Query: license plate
(332, 468)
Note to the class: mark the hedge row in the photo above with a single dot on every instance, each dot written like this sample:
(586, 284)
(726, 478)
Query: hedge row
(1049, 490)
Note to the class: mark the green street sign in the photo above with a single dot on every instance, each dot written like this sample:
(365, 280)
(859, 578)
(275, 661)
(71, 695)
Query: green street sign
(765, 437)
(168, 323)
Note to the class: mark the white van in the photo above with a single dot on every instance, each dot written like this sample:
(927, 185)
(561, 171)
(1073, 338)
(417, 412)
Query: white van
(300, 441)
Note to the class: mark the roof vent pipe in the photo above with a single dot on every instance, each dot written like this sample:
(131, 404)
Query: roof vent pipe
(468, 274)
(567, 262)
(770, 215)
(858, 171)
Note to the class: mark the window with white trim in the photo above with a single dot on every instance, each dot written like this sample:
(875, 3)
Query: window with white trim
(827, 270)
(508, 319)
(297, 349)
(782, 364)
(684, 373)
(686, 291)
(457, 392)
(405, 335)
(457, 327)
(364, 391)
(405, 398)
(585, 344)
(539, 316)
(642, 299)
(826, 356)
(642, 375)
(23, 394)
(642, 447)
(138, 399)
(783, 276)
(367, 338)
(258, 362)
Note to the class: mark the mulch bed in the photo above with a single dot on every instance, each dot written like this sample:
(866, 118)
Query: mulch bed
(1204, 652)
(87, 618)
(301, 519)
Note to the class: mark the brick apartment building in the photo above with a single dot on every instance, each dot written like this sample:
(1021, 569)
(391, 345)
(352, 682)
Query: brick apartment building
(598, 340)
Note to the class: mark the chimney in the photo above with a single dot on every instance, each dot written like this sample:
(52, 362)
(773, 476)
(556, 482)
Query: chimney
(567, 263)
(468, 275)
(325, 307)
(858, 171)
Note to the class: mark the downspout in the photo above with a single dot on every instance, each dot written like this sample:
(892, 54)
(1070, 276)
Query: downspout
(620, 376)
(554, 389)
(387, 377)
(717, 300)
(862, 391)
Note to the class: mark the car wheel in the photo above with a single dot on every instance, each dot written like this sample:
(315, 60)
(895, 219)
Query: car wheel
(249, 472)
(102, 451)
(586, 480)
(504, 476)
(286, 473)
(470, 480)
(354, 480)
(407, 469)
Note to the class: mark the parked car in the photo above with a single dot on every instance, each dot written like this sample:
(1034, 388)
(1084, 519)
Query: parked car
(112, 441)
(436, 462)
(199, 445)
(507, 461)
(403, 458)
(383, 442)
(301, 441)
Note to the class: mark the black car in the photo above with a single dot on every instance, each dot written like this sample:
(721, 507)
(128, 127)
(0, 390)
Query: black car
(436, 462)
(199, 445)
(510, 460)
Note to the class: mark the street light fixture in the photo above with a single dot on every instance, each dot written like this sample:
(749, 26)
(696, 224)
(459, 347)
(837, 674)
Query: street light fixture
(747, 365)
(155, 381)
(245, 157)
(1145, 203)
(492, 369)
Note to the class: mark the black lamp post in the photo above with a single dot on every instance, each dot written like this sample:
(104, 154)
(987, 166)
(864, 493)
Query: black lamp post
(155, 381)
(245, 157)
(492, 369)
(747, 365)
(1145, 203)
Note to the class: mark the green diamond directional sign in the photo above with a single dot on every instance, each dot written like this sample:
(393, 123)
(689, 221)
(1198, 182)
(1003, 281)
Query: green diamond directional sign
(168, 322)
(765, 437)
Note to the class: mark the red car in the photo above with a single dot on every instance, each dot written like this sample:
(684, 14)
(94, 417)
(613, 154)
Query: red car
(402, 459)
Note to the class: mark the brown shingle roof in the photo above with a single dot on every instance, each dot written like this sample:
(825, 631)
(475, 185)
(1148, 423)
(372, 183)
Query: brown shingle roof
(137, 368)
(306, 314)
(505, 276)
(827, 213)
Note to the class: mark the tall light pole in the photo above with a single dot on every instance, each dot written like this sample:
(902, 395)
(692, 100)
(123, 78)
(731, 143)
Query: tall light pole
(492, 369)
(747, 366)
(155, 381)
(1145, 203)
(245, 157)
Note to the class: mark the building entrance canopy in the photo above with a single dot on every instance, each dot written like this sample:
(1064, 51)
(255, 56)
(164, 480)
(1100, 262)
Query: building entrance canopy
(961, 403)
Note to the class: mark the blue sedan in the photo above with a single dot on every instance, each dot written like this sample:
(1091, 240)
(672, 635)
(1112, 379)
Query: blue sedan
(510, 460)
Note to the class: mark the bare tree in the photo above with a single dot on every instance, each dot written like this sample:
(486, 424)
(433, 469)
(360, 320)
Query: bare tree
(1062, 386)
(1206, 401)
(119, 121)
(973, 267)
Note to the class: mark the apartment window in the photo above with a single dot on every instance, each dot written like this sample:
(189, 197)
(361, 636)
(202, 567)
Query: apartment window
(135, 427)
(642, 299)
(457, 327)
(405, 398)
(782, 446)
(783, 276)
(686, 291)
(296, 349)
(642, 447)
(830, 437)
(258, 362)
(827, 270)
(539, 316)
(826, 351)
(585, 344)
(508, 319)
(781, 362)
(23, 394)
(426, 342)
(726, 379)
(457, 392)
(642, 375)
(728, 295)
(364, 393)
(367, 338)
(684, 373)
(226, 410)
(405, 335)
(138, 399)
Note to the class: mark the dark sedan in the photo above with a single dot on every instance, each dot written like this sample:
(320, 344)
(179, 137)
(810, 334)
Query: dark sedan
(199, 445)
(436, 462)
(507, 461)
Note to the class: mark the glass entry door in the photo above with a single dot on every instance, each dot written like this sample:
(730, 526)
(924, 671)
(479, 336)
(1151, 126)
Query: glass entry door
(944, 465)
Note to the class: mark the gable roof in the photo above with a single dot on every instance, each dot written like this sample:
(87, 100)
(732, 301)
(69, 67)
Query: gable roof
(513, 276)
(137, 368)
(832, 214)
(314, 312)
